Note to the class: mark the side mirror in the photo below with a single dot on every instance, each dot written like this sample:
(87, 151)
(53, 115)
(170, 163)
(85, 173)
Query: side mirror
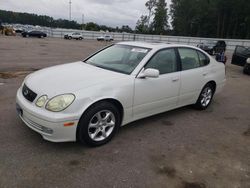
(248, 60)
(149, 73)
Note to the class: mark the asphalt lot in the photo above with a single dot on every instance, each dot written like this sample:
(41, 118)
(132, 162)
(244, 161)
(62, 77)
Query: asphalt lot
(183, 148)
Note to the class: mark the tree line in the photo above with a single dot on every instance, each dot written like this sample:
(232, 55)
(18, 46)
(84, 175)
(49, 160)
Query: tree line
(197, 18)
(47, 21)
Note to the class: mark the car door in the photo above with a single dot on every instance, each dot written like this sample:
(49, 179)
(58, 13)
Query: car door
(193, 75)
(240, 55)
(155, 95)
(32, 33)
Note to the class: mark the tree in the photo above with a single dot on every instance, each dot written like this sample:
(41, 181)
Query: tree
(211, 18)
(160, 22)
(141, 25)
(150, 6)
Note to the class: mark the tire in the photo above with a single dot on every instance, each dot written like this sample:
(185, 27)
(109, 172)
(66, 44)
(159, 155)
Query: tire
(80, 38)
(205, 97)
(69, 38)
(98, 124)
(246, 69)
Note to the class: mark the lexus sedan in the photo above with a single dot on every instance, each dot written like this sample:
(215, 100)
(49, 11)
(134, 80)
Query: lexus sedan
(38, 34)
(89, 100)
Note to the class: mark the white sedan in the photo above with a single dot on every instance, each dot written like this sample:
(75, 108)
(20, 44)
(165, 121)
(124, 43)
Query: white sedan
(89, 100)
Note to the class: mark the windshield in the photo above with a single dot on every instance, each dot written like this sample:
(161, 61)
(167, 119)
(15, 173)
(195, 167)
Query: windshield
(119, 58)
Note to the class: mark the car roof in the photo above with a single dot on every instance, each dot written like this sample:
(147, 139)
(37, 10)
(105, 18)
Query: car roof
(154, 45)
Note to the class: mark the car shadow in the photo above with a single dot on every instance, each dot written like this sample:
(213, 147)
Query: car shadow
(156, 118)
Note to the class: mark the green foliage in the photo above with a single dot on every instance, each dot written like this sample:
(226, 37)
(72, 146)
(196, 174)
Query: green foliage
(211, 18)
(157, 9)
(33, 19)
(160, 23)
(142, 25)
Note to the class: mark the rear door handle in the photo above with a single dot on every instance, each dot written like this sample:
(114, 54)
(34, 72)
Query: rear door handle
(175, 79)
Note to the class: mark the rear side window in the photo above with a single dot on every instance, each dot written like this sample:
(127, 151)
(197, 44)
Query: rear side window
(189, 58)
(204, 60)
(241, 50)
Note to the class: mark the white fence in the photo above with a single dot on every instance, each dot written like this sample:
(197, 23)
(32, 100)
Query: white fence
(231, 43)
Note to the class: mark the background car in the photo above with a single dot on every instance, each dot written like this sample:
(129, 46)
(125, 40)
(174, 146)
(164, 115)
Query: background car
(241, 57)
(213, 47)
(105, 38)
(38, 34)
(77, 36)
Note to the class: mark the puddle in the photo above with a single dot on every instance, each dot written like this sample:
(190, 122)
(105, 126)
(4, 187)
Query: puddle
(247, 132)
(167, 123)
(14, 74)
(231, 118)
(233, 76)
(193, 185)
(166, 170)
(74, 163)
(43, 53)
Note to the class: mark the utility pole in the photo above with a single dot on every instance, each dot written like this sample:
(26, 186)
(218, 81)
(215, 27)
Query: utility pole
(82, 21)
(70, 10)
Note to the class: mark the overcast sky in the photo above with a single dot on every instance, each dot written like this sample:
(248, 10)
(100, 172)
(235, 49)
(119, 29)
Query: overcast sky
(107, 12)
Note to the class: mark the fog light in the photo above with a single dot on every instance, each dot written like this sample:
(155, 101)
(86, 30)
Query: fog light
(47, 130)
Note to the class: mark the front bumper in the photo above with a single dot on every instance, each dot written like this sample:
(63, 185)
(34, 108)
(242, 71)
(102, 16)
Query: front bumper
(41, 121)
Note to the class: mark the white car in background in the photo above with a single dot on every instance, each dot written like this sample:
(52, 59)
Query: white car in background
(77, 36)
(105, 38)
(89, 100)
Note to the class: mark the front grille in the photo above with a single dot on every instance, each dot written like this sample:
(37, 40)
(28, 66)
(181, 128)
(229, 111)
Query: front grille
(28, 93)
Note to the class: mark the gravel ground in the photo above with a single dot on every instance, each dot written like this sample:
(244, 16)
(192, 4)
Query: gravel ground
(183, 148)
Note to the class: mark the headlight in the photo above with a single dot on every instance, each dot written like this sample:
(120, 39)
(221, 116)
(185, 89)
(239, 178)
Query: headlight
(41, 101)
(60, 102)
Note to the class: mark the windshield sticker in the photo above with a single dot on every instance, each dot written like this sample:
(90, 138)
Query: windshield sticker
(139, 50)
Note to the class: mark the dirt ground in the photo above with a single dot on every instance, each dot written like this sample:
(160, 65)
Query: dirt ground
(183, 148)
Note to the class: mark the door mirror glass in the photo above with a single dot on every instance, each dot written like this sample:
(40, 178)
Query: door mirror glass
(149, 73)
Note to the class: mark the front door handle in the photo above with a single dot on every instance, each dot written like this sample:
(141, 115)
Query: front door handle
(205, 74)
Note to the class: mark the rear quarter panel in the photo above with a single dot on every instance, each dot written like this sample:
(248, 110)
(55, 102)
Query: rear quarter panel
(218, 74)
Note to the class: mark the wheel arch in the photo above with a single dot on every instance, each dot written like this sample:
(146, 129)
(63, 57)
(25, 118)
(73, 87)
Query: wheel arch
(113, 101)
(213, 83)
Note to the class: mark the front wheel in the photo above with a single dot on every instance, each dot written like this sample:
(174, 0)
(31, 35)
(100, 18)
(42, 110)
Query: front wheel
(98, 124)
(205, 97)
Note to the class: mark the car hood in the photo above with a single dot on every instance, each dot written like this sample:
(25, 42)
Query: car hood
(69, 78)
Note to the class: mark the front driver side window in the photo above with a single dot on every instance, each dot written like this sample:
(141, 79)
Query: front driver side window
(164, 61)
(189, 58)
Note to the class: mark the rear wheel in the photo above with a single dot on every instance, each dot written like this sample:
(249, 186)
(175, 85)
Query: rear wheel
(205, 97)
(98, 124)
(80, 38)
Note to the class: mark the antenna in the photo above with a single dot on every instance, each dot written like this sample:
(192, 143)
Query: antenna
(70, 10)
